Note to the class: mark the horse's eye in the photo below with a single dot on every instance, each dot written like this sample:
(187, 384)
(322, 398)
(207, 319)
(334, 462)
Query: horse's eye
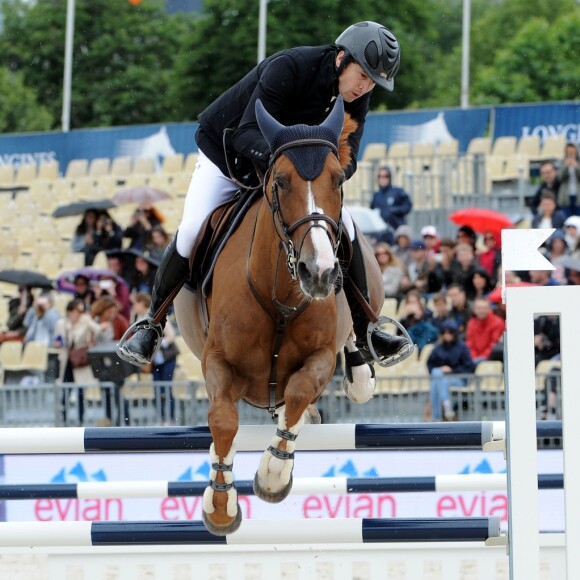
(340, 181)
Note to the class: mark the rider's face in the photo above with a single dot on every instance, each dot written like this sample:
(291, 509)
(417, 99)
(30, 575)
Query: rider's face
(353, 82)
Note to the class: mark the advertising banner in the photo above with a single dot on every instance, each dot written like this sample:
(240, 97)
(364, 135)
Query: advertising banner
(195, 467)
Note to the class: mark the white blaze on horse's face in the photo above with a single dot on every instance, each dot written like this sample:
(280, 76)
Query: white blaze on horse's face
(325, 258)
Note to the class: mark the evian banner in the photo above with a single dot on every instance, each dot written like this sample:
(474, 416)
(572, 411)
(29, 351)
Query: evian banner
(538, 119)
(73, 469)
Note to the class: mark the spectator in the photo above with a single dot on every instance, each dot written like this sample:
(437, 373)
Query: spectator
(447, 263)
(416, 319)
(391, 269)
(401, 249)
(466, 235)
(466, 264)
(140, 226)
(422, 274)
(83, 290)
(546, 337)
(159, 241)
(74, 332)
(164, 361)
(569, 181)
(550, 181)
(441, 310)
(431, 239)
(483, 330)
(490, 257)
(556, 247)
(17, 309)
(460, 311)
(449, 356)
(548, 215)
(84, 236)
(542, 278)
(108, 234)
(40, 320)
(479, 285)
(143, 276)
(393, 203)
(572, 232)
(110, 286)
(111, 324)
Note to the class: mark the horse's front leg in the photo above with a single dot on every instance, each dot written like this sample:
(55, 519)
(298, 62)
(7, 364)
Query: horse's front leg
(273, 480)
(221, 511)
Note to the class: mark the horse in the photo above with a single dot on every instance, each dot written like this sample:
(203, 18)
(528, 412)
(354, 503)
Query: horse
(276, 316)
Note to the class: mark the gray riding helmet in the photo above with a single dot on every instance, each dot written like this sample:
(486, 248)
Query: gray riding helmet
(375, 48)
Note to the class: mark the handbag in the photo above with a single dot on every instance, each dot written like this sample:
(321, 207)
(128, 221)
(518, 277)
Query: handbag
(79, 357)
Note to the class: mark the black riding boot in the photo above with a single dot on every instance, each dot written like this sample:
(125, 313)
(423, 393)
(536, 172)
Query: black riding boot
(386, 346)
(147, 334)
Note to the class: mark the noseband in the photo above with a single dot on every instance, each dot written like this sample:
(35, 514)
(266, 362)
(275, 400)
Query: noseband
(285, 231)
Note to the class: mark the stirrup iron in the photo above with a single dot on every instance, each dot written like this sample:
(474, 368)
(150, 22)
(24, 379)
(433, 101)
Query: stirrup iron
(145, 324)
(396, 358)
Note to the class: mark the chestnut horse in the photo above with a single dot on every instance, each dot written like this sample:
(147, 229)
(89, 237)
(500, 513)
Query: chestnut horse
(275, 319)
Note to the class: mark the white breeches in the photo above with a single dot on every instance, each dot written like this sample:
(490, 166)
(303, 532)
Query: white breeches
(208, 188)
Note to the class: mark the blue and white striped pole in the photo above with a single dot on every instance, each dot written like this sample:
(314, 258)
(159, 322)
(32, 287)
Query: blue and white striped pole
(310, 531)
(301, 486)
(345, 437)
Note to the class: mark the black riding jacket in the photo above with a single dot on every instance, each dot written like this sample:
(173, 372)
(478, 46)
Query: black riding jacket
(296, 86)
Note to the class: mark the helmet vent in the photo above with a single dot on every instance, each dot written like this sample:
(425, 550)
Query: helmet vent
(372, 55)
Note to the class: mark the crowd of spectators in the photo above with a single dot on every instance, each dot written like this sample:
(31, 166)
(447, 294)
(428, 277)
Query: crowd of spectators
(447, 288)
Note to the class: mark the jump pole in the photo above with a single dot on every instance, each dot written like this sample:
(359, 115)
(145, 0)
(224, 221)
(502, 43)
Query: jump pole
(486, 435)
(311, 531)
(301, 486)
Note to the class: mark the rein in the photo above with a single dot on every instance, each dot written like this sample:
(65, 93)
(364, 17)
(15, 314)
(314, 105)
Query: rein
(284, 313)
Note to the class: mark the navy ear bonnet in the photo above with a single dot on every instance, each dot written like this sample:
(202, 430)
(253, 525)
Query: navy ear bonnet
(308, 160)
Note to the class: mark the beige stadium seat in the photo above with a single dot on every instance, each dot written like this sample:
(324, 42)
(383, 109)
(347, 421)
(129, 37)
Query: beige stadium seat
(553, 148)
(61, 299)
(172, 163)
(99, 167)
(448, 148)
(375, 152)
(73, 261)
(3, 312)
(139, 387)
(181, 183)
(101, 261)
(10, 355)
(144, 165)
(34, 357)
(190, 163)
(77, 168)
(50, 264)
(390, 306)
(529, 145)
(426, 352)
(190, 365)
(423, 149)
(121, 166)
(504, 146)
(489, 373)
(25, 174)
(26, 262)
(6, 175)
(399, 149)
(479, 146)
(48, 170)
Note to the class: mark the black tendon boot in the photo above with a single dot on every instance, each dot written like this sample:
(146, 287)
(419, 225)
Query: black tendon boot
(386, 346)
(147, 334)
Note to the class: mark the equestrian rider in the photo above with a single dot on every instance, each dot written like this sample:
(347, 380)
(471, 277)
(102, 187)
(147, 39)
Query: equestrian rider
(296, 86)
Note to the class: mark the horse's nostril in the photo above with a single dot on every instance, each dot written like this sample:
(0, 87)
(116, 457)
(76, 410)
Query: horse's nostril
(303, 271)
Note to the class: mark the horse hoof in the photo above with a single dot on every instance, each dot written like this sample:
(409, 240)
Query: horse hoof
(272, 496)
(218, 530)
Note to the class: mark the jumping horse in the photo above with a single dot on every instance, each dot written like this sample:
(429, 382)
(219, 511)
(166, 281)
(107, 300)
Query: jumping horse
(270, 328)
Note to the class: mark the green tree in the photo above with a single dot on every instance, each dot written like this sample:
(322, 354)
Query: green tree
(123, 57)
(223, 44)
(19, 110)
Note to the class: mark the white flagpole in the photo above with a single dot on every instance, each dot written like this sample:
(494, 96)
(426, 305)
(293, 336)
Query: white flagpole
(465, 54)
(68, 56)
(262, 31)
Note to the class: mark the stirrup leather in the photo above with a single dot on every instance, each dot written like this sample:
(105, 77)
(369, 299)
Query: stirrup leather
(388, 361)
(145, 324)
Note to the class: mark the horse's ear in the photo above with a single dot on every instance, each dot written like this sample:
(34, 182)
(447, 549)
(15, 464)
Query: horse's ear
(335, 119)
(268, 125)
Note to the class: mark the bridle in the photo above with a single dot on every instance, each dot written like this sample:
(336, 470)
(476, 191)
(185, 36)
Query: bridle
(285, 231)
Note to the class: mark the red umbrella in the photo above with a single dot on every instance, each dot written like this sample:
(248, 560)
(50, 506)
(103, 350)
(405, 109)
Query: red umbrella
(481, 220)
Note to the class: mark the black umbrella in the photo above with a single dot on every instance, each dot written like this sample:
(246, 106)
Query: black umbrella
(25, 278)
(80, 207)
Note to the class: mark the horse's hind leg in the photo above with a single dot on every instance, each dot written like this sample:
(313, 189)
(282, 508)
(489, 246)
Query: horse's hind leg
(221, 511)
(273, 480)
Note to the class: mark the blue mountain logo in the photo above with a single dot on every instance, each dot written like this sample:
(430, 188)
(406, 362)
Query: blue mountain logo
(482, 467)
(78, 474)
(349, 469)
(200, 474)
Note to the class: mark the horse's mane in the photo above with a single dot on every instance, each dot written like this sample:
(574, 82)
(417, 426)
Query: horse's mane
(350, 126)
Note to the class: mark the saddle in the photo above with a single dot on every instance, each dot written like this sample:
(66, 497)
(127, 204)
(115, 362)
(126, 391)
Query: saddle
(215, 231)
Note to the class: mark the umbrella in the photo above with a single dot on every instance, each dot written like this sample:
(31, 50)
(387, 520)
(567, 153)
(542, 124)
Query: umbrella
(80, 207)
(143, 195)
(65, 280)
(25, 278)
(368, 220)
(481, 220)
(569, 262)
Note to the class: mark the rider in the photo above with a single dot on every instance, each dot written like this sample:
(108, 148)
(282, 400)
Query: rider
(296, 86)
